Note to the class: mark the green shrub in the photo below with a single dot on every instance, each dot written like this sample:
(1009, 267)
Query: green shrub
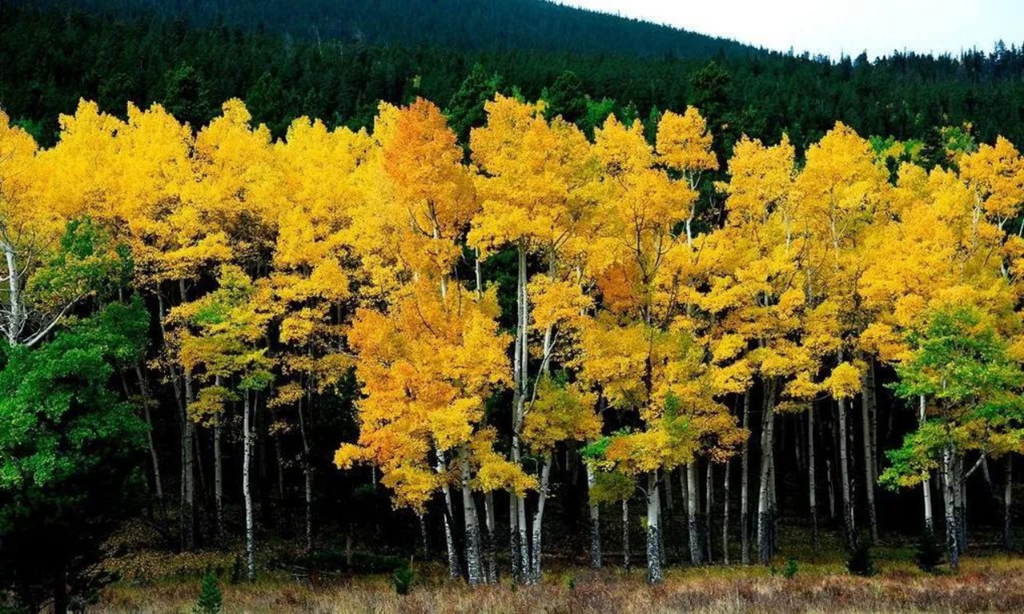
(403, 577)
(210, 599)
(928, 554)
(791, 569)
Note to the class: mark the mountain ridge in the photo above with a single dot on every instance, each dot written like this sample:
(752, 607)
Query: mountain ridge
(469, 25)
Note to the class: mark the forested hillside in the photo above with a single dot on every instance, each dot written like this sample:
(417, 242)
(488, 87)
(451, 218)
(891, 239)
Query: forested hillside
(268, 311)
(468, 25)
(52, 59)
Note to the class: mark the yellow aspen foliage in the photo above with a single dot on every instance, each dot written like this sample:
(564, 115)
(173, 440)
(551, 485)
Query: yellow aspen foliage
(427, 366)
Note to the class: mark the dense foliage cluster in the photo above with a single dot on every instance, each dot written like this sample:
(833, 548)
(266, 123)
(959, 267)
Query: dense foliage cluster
(544, 295)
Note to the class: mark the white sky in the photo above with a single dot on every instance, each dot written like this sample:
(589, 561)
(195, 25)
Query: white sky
(833, 27)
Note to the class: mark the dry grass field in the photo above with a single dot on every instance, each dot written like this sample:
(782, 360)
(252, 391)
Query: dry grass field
(985, 584)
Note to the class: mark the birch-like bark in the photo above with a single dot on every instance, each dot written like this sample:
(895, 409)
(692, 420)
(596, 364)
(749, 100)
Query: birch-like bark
(745, 486)
(869, 466)
(709, 499)
(725, 513)
(538, 522)
(158, 482)
(949, 489)
(307, 474)
(513, 538)
(926, 485)
(424, 542)
(218, 481)
(250, 555)
(595, 521)
(693, 518)
(626, 563)
(812, 485)
(474, 561)
(764, 524)
(844, 474)
(490, 541)
(654, 575)
(449, 536)
(1007, 504)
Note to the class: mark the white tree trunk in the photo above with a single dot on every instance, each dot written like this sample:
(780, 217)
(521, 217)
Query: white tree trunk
(653, 529)
(307, 474)
(764, 521)
(1007, 504)
(725, 513)
(709, 499)
(926, 485)
(595, 521)
(250, 555)
(188, 486)
(449, 537)
(745, 486)
(949, 488)
(538, 522)
(625, 535)
(693, 517)
(158, 483)
(218, 480)
(869, 465)
(491, 554)
(812, 485)
(844, 474)
(474, 562)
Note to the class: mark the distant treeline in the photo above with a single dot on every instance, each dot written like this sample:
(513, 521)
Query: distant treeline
(51, 59)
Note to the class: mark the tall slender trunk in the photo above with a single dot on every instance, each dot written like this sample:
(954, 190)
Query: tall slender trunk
(307, 473)
(812, 485)
(709, 499)
(520, 383)
(513, 538)
(684, 497)
(188, 486)
(490, 545)
(250, 555)
(844, 474)
(693, 518)
(595, 521)
(474, 562)
(449, 536)
(867, 383)
(279, 455)
(926, 485)
(625, 534)
(725, 513)
(218, 482)
(1007, 503)
(538, 522)
(764, 528)
(158, 482)
(653, 529)
(745, 486)
(960, 501)
(668, 513)
(424, 542)
(949, 488)
(16, 312)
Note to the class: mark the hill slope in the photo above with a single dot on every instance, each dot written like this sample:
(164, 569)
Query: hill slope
(470, 25)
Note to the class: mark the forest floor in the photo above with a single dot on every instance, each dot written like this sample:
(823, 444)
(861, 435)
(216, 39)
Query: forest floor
(990, 582)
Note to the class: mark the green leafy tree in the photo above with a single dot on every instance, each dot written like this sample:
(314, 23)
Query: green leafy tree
(965, 368)
(70, 456)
